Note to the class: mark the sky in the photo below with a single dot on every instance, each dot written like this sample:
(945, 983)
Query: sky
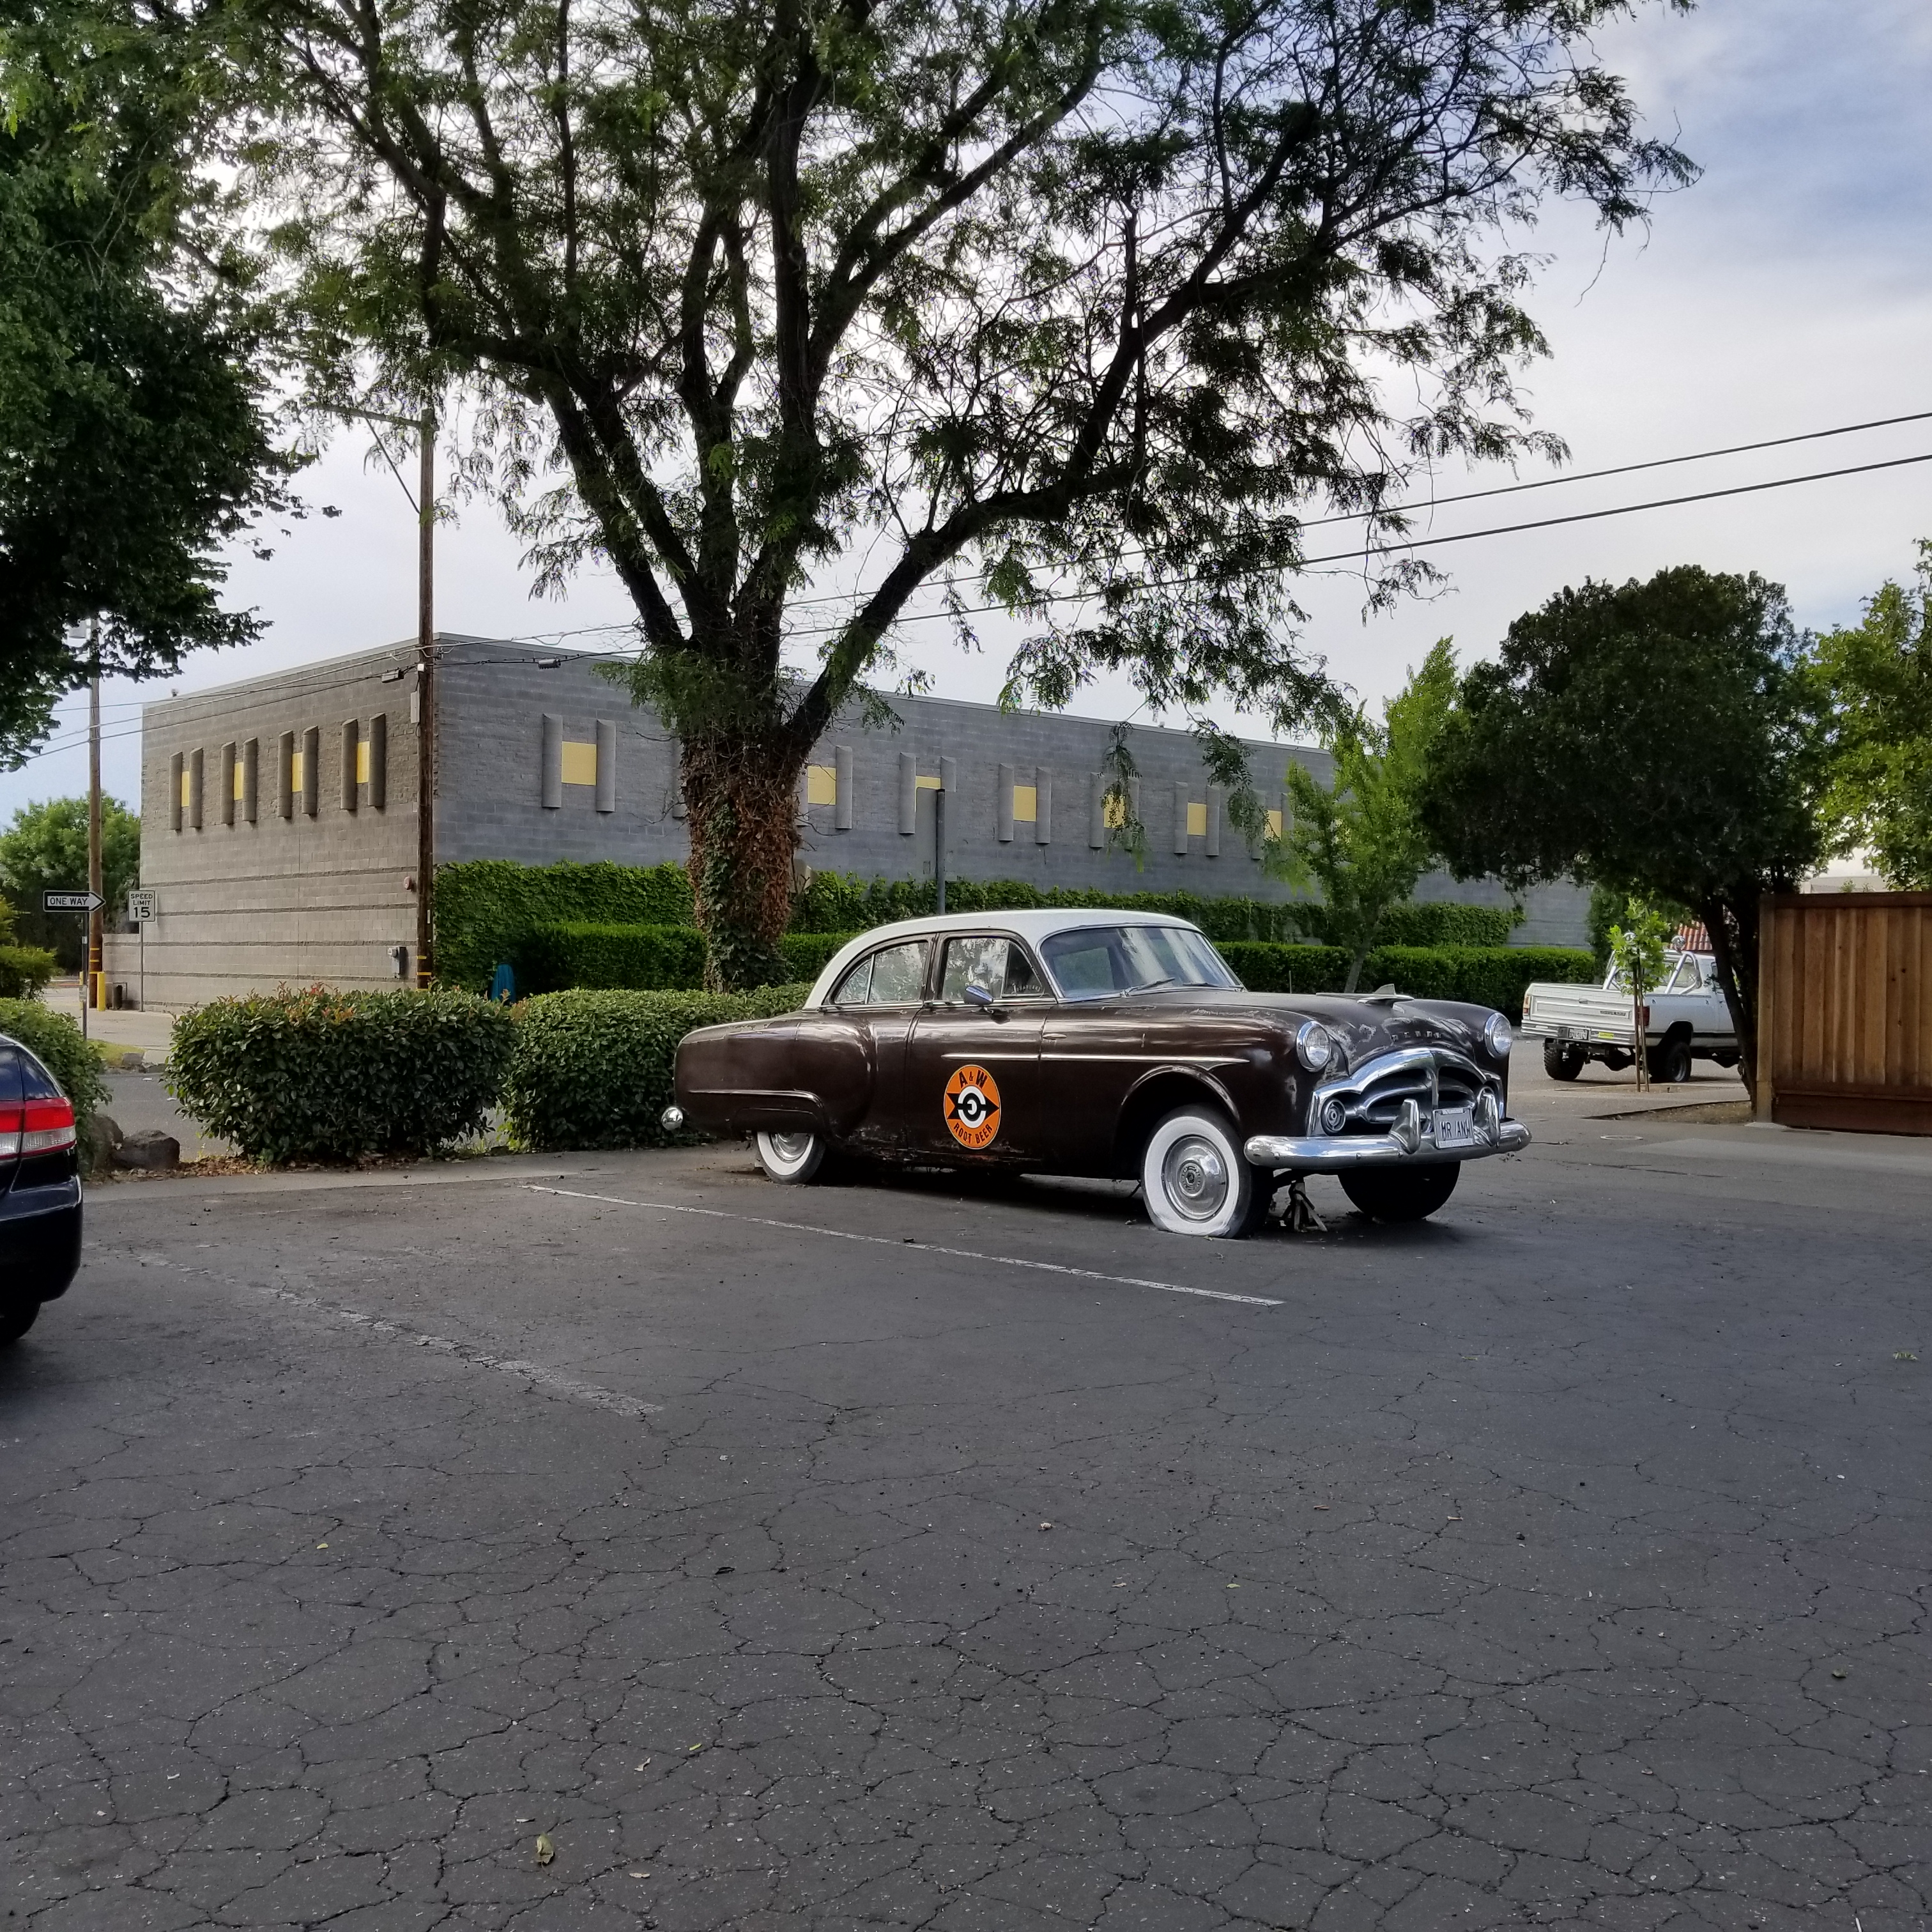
(1789, 291)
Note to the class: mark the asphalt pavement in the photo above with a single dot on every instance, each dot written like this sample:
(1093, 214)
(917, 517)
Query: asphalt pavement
(625, 1541)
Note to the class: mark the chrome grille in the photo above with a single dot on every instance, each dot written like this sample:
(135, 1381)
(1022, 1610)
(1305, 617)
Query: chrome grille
(1372, 1093)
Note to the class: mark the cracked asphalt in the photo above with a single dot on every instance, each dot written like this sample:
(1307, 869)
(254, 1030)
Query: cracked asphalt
(928, 1563)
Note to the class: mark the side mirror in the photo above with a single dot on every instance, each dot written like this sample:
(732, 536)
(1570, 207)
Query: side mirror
(978, 996)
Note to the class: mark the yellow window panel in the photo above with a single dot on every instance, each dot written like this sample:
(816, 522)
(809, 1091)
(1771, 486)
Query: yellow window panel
(579, 761)
(926, 785)
(1026, 804)
(821, 784)
(361, 764)
(1197, 821)
(294, 771)
(185, 800)
(1274, 824)
(1114, 812)
(241, 772)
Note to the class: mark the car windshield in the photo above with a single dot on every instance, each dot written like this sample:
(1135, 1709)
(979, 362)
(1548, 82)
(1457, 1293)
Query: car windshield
(1100, 960)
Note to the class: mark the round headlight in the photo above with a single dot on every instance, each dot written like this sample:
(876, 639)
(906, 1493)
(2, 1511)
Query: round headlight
(1498, 1036)
(1314, 1046)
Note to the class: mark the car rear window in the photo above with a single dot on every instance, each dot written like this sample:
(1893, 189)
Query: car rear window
(10, 1074)
(36, 1082)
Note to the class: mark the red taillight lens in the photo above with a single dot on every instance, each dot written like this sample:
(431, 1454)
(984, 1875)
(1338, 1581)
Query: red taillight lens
(46, 1127)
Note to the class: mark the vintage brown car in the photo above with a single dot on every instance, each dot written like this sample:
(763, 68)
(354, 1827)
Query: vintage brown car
(1107, 1043)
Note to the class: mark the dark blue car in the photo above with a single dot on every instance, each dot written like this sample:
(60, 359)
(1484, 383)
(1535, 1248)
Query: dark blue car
(39, 1189)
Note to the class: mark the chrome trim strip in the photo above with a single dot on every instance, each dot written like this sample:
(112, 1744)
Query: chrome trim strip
(1337, 1154)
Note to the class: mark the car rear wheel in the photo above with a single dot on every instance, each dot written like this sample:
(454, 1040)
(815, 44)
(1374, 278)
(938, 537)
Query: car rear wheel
(1562, 1059)
(15, 1319)
(1670, 1062)
(1402, 1193)
(1197, 1181)
(796, 1158)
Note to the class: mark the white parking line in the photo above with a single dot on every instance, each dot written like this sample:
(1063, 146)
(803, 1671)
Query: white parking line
(918, 1247)
(553, 1381)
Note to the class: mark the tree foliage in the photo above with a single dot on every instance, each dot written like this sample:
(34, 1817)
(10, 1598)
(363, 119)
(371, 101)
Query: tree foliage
(135, 435)
(1879, 675)
(1361, 840)
(1662, 739)
(44, 849)
(1015, 299)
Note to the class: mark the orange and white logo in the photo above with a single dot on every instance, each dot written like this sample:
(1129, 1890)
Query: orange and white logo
(973, 1107)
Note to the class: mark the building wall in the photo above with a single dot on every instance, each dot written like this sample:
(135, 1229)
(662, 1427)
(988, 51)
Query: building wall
(279, 900)
(541, 762)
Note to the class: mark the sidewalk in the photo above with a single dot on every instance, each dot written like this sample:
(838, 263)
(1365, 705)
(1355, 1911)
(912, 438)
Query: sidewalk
(124, 1029)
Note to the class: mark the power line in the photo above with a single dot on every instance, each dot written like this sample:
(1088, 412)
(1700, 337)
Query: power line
(1427, 543)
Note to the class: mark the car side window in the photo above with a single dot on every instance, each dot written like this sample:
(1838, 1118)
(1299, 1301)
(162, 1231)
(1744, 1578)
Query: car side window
(994, 965)
(1687, 979)
(853, 988)
(893, 976)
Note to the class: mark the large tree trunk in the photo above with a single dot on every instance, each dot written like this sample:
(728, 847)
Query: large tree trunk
(740, 793)
(1732, 923)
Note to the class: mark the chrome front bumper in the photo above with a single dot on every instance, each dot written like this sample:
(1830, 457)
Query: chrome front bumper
(1338, 1153)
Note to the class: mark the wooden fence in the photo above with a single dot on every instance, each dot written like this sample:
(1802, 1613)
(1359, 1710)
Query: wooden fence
(1845, 1012)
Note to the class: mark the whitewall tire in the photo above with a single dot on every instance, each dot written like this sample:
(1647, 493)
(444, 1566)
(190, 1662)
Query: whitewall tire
(1195, 1180)
(794, 1158)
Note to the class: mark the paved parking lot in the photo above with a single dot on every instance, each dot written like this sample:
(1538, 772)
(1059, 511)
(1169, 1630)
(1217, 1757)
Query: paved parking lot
(893, 1557)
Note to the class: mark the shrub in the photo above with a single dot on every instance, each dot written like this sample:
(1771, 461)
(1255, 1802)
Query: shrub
(56, 1040)
(807, 954)
(24, 971)
(593, 1068)
(1485, 975)
(575, 952)
(323, 1075)
(486, 908)
(1429, 923)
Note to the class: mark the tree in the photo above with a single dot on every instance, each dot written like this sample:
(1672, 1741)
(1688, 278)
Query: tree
(1362, 840)
(1662, 739)
(135, 438)
(1637, 951)
(1084, 299)
(1880, 674)
(45, 850)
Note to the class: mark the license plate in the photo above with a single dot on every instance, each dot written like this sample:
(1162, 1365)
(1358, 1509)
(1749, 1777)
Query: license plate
(1455, 1127)
(1572, 1033)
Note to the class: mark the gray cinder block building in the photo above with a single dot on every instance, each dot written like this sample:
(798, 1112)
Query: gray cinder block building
(278, 815)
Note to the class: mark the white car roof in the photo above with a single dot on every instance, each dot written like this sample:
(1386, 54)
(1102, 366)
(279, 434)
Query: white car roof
(1032, 926)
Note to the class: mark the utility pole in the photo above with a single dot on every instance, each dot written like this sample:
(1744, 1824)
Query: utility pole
(426, 700)
(91, 988)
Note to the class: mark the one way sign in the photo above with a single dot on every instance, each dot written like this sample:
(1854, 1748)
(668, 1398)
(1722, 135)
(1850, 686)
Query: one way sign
(71, 901)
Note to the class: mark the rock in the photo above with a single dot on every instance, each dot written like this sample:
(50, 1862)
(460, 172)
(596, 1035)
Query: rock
(149, 1148)
(103, 1139)
(132, 1062)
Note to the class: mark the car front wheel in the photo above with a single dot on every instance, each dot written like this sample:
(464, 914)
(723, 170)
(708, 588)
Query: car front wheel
(1197, 1181)
(1402, 1193)
(796, 1158)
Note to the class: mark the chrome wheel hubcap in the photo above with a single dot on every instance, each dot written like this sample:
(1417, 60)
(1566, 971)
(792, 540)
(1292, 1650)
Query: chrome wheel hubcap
(791, 1147)
(1195, 1178)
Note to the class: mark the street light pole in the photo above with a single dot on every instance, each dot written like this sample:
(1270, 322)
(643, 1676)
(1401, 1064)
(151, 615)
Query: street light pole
(90, 988)
(426, 700)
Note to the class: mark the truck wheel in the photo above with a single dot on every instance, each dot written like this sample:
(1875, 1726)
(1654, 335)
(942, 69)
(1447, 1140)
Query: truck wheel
(796, 1158)
(1562, 1059)
(1196, 1181)
(1402, 1193)
(1669, 1062)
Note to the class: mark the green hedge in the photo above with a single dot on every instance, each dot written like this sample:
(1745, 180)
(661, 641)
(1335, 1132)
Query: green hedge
(56, 1040)
(1485, 975)
(593, 1068)
(25, 970)
(490, 910)
(486, 909)
(323, 1075)
(645, 958)
(574, 953)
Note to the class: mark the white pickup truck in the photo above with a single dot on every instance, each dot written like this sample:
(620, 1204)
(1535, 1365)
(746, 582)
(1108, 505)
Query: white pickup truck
(1688, 1021)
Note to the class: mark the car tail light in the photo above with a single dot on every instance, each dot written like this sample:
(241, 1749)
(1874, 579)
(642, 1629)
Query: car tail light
(38, 1126)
